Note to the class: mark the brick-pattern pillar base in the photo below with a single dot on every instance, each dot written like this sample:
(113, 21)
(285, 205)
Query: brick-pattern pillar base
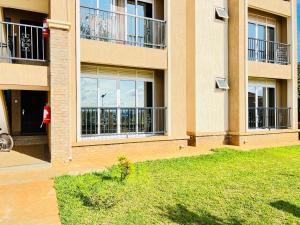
(60, 95)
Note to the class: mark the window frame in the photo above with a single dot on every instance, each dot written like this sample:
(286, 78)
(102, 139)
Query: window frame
(118, 78)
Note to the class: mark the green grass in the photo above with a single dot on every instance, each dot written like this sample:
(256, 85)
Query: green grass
(227, 187)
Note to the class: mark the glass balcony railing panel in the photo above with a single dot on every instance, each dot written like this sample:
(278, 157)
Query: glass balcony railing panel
(268, 51)
(118, 121)
(121, 28)
(269, 118)
(21, 42)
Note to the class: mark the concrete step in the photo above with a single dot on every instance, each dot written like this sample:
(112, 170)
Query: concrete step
(30, 140)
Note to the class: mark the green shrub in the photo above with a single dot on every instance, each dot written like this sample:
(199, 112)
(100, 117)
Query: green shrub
(126, 168)
(99, 195)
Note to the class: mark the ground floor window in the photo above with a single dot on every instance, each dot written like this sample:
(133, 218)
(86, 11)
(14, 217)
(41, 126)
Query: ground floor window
(263, 112)
(119, 105)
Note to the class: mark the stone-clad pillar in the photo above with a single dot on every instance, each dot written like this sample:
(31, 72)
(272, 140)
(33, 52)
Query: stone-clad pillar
(60, 86)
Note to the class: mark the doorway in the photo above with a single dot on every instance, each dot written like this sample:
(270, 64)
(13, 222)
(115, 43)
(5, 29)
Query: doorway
(32, 104)
(261, 105)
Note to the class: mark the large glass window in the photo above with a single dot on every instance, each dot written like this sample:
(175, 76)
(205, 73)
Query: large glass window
(108, 92)
(89, 103)
(261, 106)
(261, 39)
(116, 106)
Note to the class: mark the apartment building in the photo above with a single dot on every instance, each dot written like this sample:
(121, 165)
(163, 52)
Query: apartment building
(242, 71)
(146, 74)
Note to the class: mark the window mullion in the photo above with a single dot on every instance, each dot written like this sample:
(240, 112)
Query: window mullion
(118, 108)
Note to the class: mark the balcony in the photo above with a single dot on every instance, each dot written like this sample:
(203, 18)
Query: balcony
(268, 51)
(23, 63)
(269, 118)
(22, 43)
(122, 28)
(120, 122)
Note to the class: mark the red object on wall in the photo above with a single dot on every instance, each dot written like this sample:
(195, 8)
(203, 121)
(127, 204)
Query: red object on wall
(45, 31)
(47, 114)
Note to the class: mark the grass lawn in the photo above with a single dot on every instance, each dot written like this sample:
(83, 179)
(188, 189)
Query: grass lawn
(227, 187)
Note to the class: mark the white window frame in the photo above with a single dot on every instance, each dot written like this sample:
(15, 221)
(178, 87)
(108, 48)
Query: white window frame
(136, 14)
(218, 86)
(118, 78)
(219, 11)
(256, 85)
(266, 25)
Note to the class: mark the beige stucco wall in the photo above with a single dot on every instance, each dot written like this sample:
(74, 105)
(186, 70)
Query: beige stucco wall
(292, 85)
(99, 52)
(278, 7)
(21, 76)
(237, 66)
(41, 6)
(176, 72)
(191, 67)
(211, 62)
(269, 70)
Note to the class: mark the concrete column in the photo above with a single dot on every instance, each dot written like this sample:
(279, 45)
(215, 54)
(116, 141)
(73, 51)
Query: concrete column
(237, 71)
(292, 85)
(176, 73)
(60, 81)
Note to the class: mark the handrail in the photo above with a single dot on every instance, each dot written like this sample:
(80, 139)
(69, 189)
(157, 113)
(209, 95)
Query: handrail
(119, 121)
(257, 39)
(122, 28)
(268, 51)
(21, 42)
(124, 14)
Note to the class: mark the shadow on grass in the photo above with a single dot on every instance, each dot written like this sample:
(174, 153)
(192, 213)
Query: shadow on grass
(286, 207)
(181, 215)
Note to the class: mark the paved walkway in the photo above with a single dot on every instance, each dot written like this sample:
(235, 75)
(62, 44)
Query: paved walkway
(27, 195)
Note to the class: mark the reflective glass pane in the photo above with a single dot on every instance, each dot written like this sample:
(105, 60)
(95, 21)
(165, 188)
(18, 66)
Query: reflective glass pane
(131, 22)
(128, 120)
(108, 92)
(88, 89)
(251, 30)
(108, 123)
(89, 3)
(261, 110)
(105, 5)
(271, 105)
(271, 45)
(89, 103)
(127, 93)
(251, 107)
(252, 41)
(261, 36)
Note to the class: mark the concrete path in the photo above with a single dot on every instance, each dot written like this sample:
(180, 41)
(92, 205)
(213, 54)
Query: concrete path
(32, 203)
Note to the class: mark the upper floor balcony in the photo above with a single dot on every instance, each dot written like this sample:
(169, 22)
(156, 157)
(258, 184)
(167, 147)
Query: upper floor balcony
(23, 50)
(269, 51)
(129, 23)
(22, 43)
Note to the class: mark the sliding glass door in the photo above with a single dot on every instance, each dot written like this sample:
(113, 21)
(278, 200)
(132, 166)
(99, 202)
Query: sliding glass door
(261, 38)
(261, 106)
(114, 106)
(139, 30)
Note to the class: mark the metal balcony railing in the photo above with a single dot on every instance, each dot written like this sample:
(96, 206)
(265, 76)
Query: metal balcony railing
(269, 118)
(110, 121)
(121, 28)
(268, 51)
(21, 42)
